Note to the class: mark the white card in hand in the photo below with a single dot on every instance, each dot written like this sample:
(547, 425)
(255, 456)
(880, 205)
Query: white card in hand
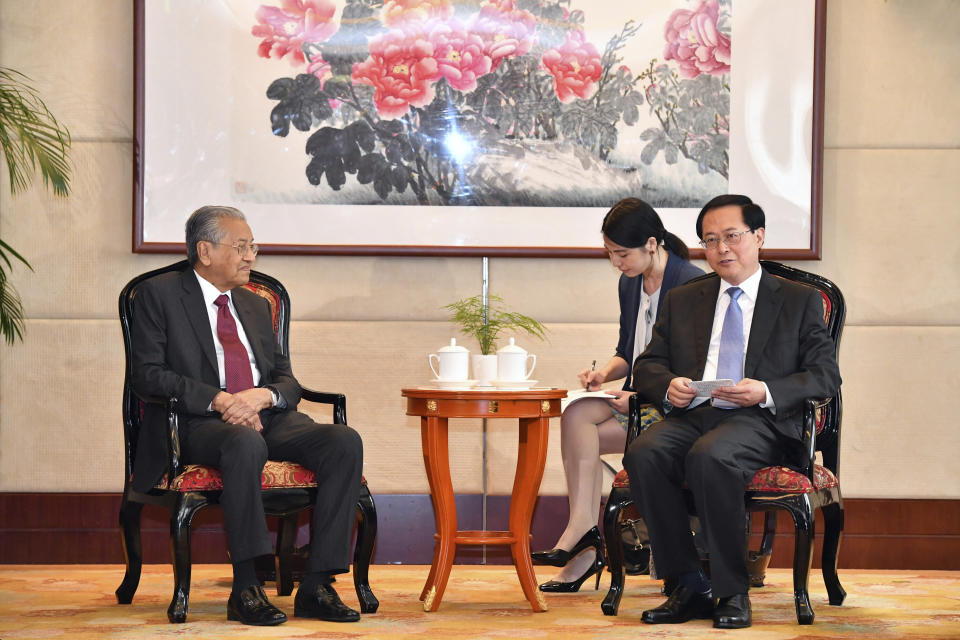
(705, 387)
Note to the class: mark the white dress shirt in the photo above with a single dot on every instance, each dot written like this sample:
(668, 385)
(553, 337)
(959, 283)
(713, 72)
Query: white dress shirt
(747, 302)
(646, 317)
(210, 294)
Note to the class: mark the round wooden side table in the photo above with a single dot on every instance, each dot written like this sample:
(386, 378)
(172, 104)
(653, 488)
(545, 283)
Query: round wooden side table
(533, 409)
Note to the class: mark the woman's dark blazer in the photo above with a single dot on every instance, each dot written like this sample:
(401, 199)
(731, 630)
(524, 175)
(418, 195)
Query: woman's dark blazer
(677, 272)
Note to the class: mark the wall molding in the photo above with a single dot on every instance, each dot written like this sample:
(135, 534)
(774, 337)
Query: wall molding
(65, 528)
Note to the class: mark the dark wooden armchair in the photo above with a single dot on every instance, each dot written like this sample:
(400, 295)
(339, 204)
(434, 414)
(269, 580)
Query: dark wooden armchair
(800, 493)
(288, 488)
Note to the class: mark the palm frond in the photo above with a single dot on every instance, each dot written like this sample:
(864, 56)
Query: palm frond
(11, 311)
(31, 138)
(4, 250)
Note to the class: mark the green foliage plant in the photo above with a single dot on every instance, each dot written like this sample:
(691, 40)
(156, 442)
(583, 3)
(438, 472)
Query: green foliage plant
(31, 138)
(487, 323)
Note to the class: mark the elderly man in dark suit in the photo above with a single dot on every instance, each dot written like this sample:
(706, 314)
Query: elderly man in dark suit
(201, 337)
(767, 335)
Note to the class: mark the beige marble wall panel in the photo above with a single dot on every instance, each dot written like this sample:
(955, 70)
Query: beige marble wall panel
(373, 288)
(79, 246)
(558, 289)
(60, 421)
(79, 55)
(891, 74)
(890, 227)
(398, 288)
(900, 438)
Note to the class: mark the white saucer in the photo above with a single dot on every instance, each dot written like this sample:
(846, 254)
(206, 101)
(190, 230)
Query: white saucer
(453, 384)
(513, 384)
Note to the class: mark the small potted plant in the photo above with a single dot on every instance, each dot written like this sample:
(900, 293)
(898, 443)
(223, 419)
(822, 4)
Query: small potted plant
(486, 323)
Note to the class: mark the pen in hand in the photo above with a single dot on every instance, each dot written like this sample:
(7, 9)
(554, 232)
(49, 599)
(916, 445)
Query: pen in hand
(593, 367)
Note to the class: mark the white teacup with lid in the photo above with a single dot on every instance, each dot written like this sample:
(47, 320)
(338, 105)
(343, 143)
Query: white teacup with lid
(453, 362)
(512, 363)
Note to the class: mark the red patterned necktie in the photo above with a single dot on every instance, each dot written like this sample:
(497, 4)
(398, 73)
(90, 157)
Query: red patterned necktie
(236, 361)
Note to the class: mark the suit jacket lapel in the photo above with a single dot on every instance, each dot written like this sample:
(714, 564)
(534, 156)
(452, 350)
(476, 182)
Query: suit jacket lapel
(637, 285)
(702, 316)
(670, 276)
(769, 301)
(196, 312)
(247, 312)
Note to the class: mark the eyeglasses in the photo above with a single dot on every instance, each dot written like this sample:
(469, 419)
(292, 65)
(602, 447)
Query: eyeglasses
(242, 247)
(730, 238)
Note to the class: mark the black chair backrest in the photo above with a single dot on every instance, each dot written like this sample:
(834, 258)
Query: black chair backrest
(260, 283)
(834, 314)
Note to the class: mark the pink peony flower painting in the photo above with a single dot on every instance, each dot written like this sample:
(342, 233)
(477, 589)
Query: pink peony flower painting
(460, 54)
(575, 67)
(402, 69)
(694, 41)
(419, 100)
(286, 28)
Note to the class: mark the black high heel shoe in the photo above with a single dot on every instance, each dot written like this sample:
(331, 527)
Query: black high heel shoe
(560, 557)
(554, 586)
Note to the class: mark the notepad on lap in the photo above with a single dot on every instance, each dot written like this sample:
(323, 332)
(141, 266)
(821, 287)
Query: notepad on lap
(580, 394)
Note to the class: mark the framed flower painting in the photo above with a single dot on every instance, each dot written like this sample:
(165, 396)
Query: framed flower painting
(474, 127)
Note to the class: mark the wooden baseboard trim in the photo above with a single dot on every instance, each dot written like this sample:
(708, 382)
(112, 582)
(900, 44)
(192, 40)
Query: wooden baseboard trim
(53, 528)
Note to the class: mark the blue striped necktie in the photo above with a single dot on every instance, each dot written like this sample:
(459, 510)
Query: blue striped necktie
(730, 360)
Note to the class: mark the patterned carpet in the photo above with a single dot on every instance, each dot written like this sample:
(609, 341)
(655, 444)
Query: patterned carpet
(77, 601)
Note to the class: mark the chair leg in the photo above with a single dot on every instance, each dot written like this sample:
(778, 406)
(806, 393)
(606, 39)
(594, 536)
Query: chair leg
(132, 550)
(758, 561)
(619, 498)
(286, 545)
(803, 519)
(832, 533)
(181, 518)
(363, 554)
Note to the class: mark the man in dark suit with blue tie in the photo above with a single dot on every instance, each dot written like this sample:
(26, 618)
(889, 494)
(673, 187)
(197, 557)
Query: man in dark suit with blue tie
(202, 337)
(766, 334)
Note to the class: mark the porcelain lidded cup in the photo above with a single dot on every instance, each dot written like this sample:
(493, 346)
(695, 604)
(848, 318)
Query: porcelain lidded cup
(512, 363)
(453, 362)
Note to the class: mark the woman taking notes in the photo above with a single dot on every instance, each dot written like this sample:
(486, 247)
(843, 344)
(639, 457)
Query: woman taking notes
(651, 262)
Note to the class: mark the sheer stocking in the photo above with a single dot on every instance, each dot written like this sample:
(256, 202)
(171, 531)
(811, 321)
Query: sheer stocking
(587, 430)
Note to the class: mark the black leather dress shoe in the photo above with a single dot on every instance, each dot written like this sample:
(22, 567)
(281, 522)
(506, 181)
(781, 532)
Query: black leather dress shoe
(251, 606)
(682, 605)
(733, 612)
(324, 604)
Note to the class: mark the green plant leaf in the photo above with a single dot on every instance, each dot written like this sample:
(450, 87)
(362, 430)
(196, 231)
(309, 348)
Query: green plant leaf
(485, 324)
(11, 310)
(31, 137)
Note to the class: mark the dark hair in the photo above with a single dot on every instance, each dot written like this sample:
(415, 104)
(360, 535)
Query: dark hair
(204, 224)
(753, 215)
(631, 222)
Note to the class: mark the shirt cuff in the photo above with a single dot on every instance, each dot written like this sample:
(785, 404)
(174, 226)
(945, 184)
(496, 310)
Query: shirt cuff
(768, 401)
(278, 400)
